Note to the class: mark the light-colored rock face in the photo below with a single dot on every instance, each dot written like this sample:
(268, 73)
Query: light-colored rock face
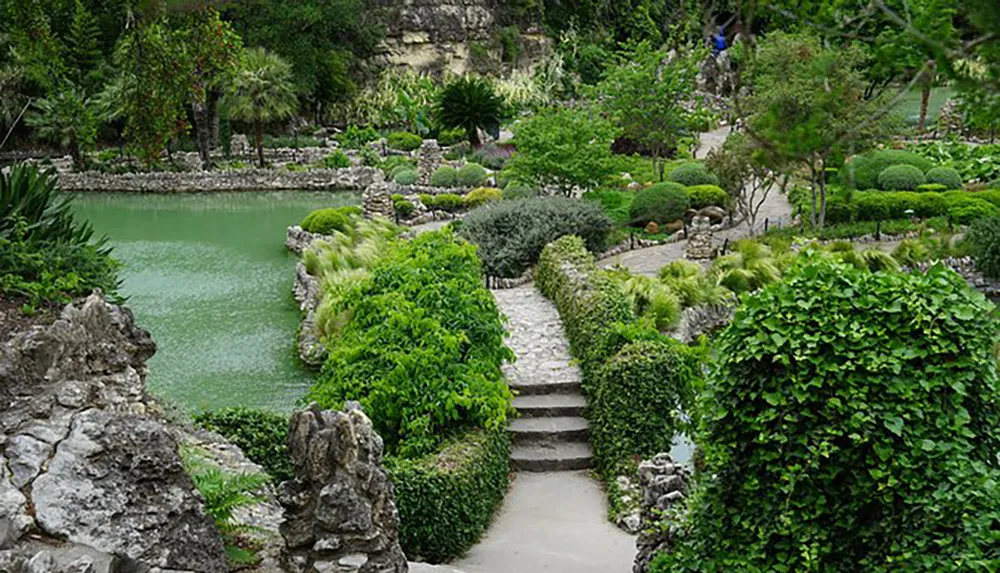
(96, 482)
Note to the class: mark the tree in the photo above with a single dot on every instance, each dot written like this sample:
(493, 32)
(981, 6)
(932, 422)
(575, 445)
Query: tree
(261, 93)
(65, 119)
(745, 172)
(649, 96)
(565, 148)
(83, 54)
(808, 107)
(472, 104)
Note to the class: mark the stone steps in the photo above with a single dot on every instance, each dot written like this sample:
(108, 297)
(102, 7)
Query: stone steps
(549, 430)
(566, 456)
(550, 405)
(549, 387)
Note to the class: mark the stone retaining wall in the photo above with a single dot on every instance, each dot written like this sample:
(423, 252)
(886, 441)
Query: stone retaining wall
(352, 178)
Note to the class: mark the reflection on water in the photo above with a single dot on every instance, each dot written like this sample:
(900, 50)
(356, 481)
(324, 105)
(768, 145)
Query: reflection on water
(209, 277)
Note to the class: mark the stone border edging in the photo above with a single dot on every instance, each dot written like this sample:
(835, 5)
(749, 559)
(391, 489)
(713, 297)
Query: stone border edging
(349, 179)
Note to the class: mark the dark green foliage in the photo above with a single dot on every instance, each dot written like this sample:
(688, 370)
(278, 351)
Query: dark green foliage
(403, 141)
(961, 206)
(471, 175)
(694, 173)
(405, 176)
(260, 434)
(640, 397)
(444, 177)
(396, 163)
(663, 203)
(336, 160)
(472, 104)
(862, 171)
(616, 204)
(511, 234)
(326, 221)
(449, 137)
(901, 178)
(83, 54)
(984, 242)
(403, 208)
(973, 162)
(704, 195)
(518, 190)
(850, 424)
(355, 137)
(449, 202)
(32, 196)
(946, 176)
(447, 498)
(423, 348)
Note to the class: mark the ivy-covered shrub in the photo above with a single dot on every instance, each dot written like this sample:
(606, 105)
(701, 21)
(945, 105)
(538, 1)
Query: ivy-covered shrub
(692, 173)
(449, 202)
(850, 424)
(663, 203)
(260, 434)
(481, 196)
(901, 178)
(947, 176)
(639, 402)
(326, 221)
(862, 171)
(447, 498)
(983, 239)
(405, 177)
(511, 234)
(702, 196)
(472, 175)
(444, 176)
(423, 347)
(336, 160)
(403, 141)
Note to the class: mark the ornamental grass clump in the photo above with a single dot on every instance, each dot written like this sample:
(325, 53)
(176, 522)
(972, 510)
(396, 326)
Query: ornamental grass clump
(851, 423)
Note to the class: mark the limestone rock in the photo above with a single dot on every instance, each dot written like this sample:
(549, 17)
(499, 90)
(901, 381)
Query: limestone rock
(429, 159)
(664, 485)
(377, 201)
(699, 243)
(340, 511)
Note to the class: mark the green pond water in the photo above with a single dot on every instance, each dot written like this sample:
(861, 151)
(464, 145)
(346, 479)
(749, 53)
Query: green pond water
(208, 275)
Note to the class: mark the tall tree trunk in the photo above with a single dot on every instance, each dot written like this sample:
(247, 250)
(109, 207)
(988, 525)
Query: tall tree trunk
(822, 193)
(77, 155)
(926, 82)
(813, 189)
(259, 130)
(203, 131)
(212, 103)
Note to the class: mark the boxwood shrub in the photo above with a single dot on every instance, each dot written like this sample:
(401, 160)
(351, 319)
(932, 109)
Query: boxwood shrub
(511, 234)
(449, 202)
(962, 206)
(901, 178)
(701, 196)
(405, 176)
(260, 434)
(446, 499)
(662, 203)
(947, 176)
(482, 196)
(692, 173)
(472, 175)
(444, 176)
(326, 221)
(850, 424)
(403, 141)
(862, 171)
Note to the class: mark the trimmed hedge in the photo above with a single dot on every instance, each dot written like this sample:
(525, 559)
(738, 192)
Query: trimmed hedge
(447, 499)
(692, 174)
(702, 196)
(662, 203)
(962, 206)
(511, 234)
(947, 176)
(472, 175)
(403, 141)
(444, 177)
(850, 424)
(326, 221)
(260, 434)
(901, 178)
(862, 171)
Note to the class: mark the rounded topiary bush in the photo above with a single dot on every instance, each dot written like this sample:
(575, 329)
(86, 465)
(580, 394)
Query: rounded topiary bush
(405, 177)
(481, 196)
(326, 221)
(693, 173)
(946, 176)
(849, 424)
(403, 141)
(705, 195)
(444, 176)
(663, 203)
(901, 178)
(862, 171)
(449, 202)
(472, 175)
(404, 208)
(983, 239)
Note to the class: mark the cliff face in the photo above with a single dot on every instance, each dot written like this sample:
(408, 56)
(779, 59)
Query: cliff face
(452, 35)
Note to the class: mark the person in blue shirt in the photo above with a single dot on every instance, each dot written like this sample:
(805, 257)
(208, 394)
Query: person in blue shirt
(720, 41)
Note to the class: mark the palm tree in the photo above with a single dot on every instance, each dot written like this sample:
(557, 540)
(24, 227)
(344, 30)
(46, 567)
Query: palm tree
(66, 119)
(470, 103)
(261, 93)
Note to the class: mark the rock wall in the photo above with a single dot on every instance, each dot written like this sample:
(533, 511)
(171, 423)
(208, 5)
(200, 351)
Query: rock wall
(664, 485)
(88, 478)
(353, 178)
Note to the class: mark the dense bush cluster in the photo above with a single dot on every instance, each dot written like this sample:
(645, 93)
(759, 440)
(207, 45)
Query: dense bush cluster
(446, 499)
(471, 175)
(946, 176)
(405, 176)
(260, 434)
(511, 234)
(422, 349)
(661, 203)
(337, 160)
(327, 221)
(850, 425)
(444, 176)
(961, 206)
(901, 178)
(862, 171)
(692, 174)
(482, 196)
(403, 141)
(984, 242)
(702, 196)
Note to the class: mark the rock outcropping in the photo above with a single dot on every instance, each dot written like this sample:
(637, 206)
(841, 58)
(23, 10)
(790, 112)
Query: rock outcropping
(664, 486)
(340, 510)
(88, 479)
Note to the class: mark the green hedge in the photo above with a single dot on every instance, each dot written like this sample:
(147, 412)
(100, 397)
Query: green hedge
(702, 196)
(447, 499)
(862, 171)
(984, 243)
(260, 434)
(403, 141)
(962, 206)
(692, 174)
(661, 203)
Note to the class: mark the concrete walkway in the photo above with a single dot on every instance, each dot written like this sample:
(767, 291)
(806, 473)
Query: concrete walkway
(553, 522)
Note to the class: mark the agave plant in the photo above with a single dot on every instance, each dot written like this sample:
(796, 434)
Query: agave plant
(30, 198)
(472, 104)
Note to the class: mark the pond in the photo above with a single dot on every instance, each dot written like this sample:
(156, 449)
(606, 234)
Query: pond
(208, 275)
